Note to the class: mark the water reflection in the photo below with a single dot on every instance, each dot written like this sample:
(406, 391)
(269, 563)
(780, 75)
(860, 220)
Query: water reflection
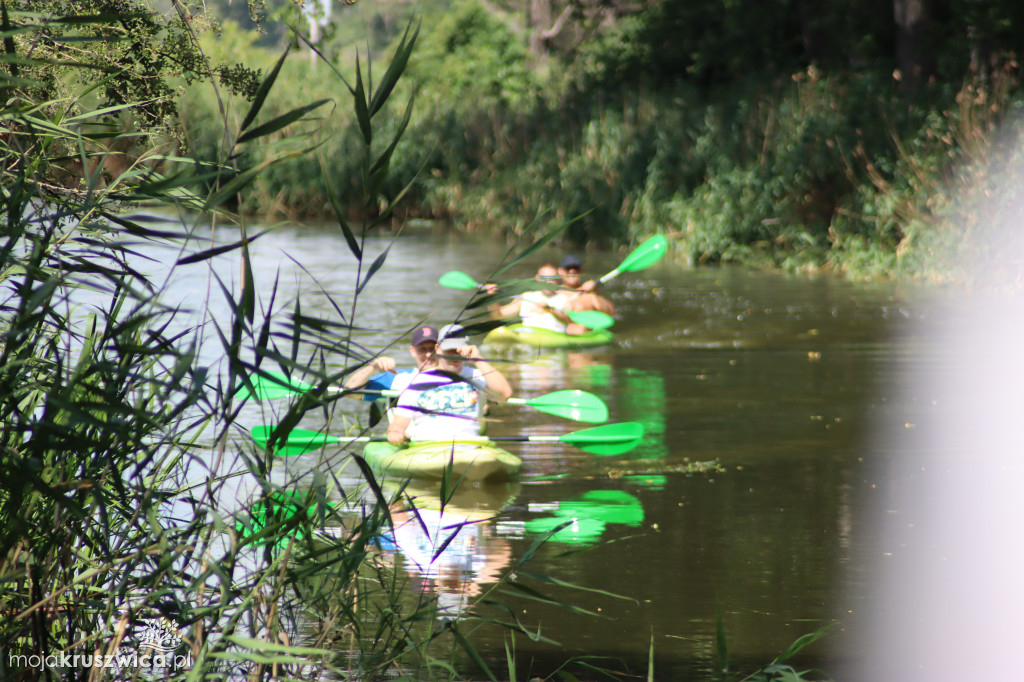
(582, 519)
(448, 545)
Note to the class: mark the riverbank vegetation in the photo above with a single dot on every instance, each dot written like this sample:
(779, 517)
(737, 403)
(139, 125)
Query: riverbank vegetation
(796, 135)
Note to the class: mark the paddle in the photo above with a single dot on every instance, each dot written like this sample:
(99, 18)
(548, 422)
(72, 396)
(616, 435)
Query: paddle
(642, 257)
(569, 404)
(591, 319)
(609, 439)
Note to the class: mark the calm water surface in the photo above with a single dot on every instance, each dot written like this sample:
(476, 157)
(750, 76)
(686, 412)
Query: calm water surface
(751, 495)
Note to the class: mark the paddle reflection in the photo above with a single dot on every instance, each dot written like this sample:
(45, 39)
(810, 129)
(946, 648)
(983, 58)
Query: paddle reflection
(582, 519)
(450, 550)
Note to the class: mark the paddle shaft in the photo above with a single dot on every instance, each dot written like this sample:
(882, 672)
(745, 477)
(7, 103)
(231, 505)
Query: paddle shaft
(388, 393)
(585, 318)
(570, 404)
(596, 320)
(609, 434)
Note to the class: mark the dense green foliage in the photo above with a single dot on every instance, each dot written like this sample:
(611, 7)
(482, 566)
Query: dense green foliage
(801, 135)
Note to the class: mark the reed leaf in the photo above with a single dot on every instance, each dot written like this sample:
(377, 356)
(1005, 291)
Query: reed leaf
(721, 644)
(240, 180)
(377, 264)
(208, 254)
(339, 212)
(801, 642)
(361, 110)
(471, 650)
(264, 89)
(279, 122)
(562, 583)
(395, 69)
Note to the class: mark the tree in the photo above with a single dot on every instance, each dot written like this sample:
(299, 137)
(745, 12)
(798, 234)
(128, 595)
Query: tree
(914, 57)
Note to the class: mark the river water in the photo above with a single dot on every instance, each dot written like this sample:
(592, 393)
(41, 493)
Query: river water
(753, 494)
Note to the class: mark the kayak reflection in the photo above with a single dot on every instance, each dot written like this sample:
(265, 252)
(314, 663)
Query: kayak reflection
(449, 548)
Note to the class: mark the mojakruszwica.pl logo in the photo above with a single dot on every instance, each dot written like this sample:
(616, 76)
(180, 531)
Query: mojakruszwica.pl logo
(149, 644)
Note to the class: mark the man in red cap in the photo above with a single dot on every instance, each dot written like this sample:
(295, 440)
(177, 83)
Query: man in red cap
(445, 399)
(379, 373)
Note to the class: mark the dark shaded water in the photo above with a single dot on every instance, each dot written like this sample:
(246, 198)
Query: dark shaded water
(751, 495)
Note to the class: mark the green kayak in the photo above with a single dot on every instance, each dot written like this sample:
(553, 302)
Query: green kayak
(472, 460)
(546, 338)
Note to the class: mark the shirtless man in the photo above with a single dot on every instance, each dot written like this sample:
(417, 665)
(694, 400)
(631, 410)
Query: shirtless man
(581, 295)
(544, 308)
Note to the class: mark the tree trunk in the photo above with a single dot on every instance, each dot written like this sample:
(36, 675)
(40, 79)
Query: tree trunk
(913, 57)
(813, 37)
(539, 22)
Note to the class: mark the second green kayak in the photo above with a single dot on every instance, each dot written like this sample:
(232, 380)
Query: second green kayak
(547, 338)
(474, 461)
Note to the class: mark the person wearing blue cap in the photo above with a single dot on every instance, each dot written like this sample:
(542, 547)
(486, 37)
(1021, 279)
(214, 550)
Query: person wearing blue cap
(581, 295)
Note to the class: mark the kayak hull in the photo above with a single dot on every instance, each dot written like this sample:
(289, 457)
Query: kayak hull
(473, 461)
(547, 338)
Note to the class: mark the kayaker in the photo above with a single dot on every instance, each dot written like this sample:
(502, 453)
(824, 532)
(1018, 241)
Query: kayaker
(544, 308)
(379, 374)
(445, 399)
(582, 295)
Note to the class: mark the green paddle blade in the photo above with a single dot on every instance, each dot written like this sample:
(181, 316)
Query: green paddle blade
(299, 441)
(610, 439)
(455, 279)
(572, 404)
(277, 385)
(592, 319)
(645, 255)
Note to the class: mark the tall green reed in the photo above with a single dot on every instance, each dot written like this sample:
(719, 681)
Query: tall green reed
(130, 501)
